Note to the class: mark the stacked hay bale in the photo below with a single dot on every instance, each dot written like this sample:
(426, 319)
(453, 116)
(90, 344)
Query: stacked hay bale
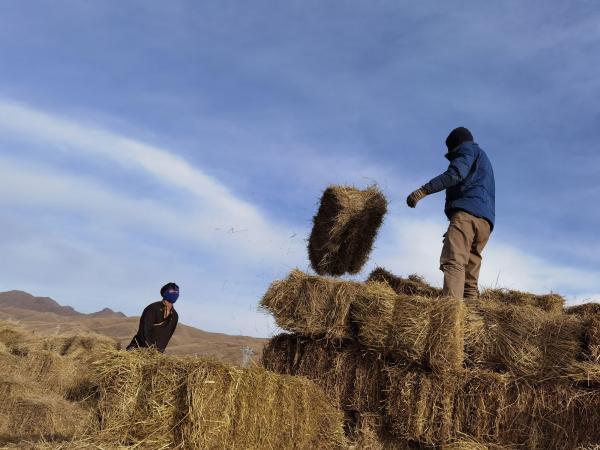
(79, 391)
(408, 367)
(150, 400)
(46, 383)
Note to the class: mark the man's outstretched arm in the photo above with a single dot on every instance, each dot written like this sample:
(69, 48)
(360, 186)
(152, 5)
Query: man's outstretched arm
(457, 171)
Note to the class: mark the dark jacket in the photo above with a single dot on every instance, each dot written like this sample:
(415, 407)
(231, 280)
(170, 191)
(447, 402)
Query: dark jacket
(154, 330)
(469, 183)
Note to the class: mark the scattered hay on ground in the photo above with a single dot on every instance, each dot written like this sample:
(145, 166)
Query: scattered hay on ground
(413, 285)
(419, 330)
(549, 302)
(312, 305)
(150, 399)
(523, 340)
(345, 228)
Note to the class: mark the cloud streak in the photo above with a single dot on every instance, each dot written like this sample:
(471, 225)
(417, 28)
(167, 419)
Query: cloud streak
(216, 207)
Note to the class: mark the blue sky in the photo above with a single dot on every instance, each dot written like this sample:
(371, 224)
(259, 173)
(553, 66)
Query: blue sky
(144, 142)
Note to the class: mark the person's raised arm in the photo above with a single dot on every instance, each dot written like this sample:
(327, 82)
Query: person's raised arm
(457, 171)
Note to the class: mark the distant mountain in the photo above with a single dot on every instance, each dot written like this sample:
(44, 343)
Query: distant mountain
(46, 316)
(24, 300)
(107, 312)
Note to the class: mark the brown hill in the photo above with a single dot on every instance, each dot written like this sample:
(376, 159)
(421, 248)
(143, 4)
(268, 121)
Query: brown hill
(46, 316)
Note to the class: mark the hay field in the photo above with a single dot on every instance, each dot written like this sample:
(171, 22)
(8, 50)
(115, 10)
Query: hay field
(81, 391)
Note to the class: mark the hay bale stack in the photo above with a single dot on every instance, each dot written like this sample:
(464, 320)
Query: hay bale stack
(523, 340)
(312, 305)
(418, 330)
(345, 228)
(550, 302)
(353, 378)
(413, 285)
(490, 407)
(510, 370)
(153, 400)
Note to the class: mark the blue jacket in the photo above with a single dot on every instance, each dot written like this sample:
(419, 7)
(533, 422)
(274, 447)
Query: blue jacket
(469, 183)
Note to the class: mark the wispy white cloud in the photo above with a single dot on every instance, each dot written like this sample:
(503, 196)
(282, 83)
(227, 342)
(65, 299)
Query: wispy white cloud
(217, 216)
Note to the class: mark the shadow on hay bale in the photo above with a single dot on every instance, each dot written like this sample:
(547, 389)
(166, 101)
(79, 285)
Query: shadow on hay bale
(349, 375)
(154, 400)
(345, 228)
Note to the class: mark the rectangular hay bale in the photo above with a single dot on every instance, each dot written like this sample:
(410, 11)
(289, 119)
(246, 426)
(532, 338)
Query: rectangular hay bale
(420, 406)
(491, 407)
(523, 340)
(312, 305)
(418, 330)
(153, 400)
(345, 228)
(353, 378)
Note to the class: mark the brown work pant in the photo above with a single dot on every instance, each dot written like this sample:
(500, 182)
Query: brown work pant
(461, 255)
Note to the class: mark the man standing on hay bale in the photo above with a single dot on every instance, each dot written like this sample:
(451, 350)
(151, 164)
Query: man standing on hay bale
(470, 207)
(158, 321)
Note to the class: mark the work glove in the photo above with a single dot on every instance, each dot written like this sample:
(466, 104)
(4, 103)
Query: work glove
(414, 197)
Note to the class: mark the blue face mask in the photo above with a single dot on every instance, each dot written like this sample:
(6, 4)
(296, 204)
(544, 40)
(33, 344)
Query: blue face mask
(171, 296)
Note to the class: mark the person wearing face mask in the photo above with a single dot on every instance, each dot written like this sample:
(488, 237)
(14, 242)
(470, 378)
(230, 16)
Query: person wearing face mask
(158, 321)
(470, 207)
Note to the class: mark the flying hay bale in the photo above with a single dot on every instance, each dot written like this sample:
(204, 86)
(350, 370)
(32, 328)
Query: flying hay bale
(312, 305)
(354, 379)
(523, 340)
(418, 330)
(154, 400)
(549, 302)
(413, 285)
(345, 228)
